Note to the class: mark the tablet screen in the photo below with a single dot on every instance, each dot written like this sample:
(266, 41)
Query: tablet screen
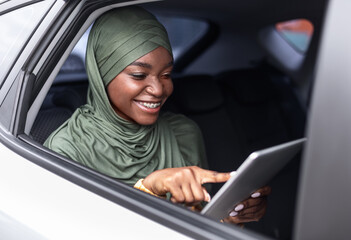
(255, 172)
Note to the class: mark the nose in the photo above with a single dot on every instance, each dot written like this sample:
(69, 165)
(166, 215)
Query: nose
(155, 87)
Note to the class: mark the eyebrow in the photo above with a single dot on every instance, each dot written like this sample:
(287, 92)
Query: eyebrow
(141, 64)
(149, 66)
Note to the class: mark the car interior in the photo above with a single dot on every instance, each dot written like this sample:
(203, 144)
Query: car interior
(231, 79)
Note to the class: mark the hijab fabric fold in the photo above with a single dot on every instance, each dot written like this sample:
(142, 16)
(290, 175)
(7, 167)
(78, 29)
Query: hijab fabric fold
(96, 136)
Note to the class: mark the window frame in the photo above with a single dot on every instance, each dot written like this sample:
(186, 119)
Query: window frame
(29, 35)
(16, 68)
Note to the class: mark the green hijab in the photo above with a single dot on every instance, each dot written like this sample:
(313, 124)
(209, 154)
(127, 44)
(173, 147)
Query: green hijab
(96, 136)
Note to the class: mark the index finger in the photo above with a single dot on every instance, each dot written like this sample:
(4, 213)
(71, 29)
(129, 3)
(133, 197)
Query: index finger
(208, 176)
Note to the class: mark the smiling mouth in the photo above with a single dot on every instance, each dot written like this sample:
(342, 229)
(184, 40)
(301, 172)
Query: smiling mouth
(150, 105)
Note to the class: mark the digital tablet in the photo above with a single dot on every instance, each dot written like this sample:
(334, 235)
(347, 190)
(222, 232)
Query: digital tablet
(255, 172)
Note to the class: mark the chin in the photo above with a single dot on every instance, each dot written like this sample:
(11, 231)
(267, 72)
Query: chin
(147, 120)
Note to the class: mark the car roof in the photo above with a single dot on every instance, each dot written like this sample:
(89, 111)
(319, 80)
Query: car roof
(253, 14)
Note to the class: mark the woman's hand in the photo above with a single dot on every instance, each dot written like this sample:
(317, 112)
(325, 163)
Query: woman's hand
(251, 209)
(184, 183)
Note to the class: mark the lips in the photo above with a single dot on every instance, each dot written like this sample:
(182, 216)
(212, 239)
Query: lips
(151, 105)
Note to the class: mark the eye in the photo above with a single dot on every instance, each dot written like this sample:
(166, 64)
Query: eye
(138, 76)
(166, 76)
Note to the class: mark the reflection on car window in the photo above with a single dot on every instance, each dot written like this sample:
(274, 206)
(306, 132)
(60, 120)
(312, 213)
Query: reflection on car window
(297, 32)
(17, 26)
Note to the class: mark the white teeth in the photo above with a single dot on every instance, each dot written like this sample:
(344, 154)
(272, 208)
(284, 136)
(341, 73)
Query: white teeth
(150, 105)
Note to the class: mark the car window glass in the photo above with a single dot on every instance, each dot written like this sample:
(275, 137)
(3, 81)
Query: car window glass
(17, 26)
(297, 32)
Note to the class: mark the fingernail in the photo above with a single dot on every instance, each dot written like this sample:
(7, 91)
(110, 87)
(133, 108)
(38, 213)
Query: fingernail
(232, 173)
(208, 197)
(256, 194)
(239, 207)
(233, 214)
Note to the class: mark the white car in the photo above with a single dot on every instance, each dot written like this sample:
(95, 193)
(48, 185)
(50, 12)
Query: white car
(270, 72)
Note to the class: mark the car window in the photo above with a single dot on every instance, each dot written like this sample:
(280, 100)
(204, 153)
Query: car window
(297, 33)
(18, 25)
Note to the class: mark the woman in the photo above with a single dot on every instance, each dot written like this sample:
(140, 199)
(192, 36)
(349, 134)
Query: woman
(121, 132)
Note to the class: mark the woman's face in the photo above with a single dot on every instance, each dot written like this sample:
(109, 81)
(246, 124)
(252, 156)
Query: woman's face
(139, 91)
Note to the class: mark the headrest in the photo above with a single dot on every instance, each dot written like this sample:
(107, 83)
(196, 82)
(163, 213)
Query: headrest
(198, 93)
(247, 85)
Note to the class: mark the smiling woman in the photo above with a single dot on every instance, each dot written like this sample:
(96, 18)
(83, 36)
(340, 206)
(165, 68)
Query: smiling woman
(139, 91)
(121, 132)
(115, 133)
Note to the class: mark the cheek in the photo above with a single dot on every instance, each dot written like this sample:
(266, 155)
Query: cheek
(123, 92)
(117, 93)
(168, 88)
